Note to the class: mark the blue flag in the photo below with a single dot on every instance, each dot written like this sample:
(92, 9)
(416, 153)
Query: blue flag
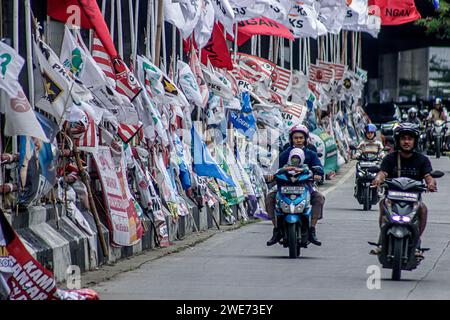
(244, 120)
(436, 4)
(204, 164)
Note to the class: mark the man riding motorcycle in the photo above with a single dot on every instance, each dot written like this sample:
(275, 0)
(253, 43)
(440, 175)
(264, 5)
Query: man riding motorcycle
(438, 112)
(370, 143)
(405, 162)
(413, 117)
(298, 138)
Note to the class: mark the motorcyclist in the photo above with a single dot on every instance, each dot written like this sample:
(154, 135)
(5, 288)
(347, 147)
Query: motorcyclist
(413, 165)
(298, 138)
(413, 117)
(370, 144)
(438, 112)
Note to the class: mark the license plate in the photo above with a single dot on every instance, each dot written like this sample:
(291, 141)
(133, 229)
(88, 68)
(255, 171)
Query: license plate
(407, 195)
(292, 190)
(368, 164)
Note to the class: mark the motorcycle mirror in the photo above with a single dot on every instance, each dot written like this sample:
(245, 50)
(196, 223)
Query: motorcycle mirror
(319, 154)
(437, 174)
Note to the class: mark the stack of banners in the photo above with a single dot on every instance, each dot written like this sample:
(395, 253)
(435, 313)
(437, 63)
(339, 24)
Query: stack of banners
(23, 278)
(122, 216)
(331, 151)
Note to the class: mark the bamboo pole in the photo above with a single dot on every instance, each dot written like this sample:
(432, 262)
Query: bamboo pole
(148, 28)
(29, 52)
(132, 30)
(235, 41)
(159, 31)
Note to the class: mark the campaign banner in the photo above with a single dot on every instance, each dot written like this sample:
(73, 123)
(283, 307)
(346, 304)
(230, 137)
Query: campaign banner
(37, 171)
(123, 220)
(331, 151)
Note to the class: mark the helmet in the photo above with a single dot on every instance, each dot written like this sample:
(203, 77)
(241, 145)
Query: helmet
(296, 153)
(438, 101)
(412, 110)
(370, 128)
(299, 128)
(405, 129)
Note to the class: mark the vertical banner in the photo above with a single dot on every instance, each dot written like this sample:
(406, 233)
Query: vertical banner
(123, 221)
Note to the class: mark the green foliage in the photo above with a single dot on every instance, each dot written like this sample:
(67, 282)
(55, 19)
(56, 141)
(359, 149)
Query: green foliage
(439, 25)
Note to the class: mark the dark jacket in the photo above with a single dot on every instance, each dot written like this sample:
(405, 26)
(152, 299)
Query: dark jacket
(311, 160)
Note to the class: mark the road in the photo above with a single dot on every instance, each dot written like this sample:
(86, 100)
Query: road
(238, 264)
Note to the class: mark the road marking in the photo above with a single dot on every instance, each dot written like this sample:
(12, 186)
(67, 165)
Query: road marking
(340, 182)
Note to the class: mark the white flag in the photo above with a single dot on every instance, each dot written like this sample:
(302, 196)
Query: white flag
(303, 20)
(332, 14)
(184, 15)
(205, 24)
(11, 64)
(188, 83)
(20, 118)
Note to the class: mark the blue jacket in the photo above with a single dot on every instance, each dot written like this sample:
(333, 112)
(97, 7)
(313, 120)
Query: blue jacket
(311, 160)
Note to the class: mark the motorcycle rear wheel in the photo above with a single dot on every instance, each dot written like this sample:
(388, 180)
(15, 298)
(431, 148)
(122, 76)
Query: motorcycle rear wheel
(294, 248)
(438, 148)
(397, 263)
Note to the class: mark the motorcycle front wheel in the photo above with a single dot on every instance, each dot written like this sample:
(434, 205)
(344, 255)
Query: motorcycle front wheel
(438, 148)
(367, 199)
(397, 260)
(294, 248)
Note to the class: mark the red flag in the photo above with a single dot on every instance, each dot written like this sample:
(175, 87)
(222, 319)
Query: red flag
(320, 74)
(261, 26)
(126, 132)
(394, 12)
(57, 9)
(216, 50)
(22, 277)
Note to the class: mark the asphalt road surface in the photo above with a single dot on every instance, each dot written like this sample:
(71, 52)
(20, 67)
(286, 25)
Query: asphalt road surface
(239, 265)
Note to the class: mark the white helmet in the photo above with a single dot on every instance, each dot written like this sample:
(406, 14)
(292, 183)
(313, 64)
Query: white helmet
(298, 153)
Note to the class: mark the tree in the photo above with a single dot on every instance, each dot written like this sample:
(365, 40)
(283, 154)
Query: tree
(438, 25)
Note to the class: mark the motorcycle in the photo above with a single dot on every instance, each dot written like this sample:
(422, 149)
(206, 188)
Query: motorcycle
(367, 168)
(399, 236)
(293, 209)
(438, 130)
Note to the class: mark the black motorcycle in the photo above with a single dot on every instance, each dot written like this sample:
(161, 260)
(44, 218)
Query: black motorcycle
(399, 236)
(437, 137)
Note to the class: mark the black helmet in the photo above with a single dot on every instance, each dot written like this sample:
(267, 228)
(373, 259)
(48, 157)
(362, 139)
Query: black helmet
(406, 129)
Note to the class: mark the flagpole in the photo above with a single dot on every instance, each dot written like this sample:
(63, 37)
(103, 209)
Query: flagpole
(16, 47)
(235, 41)
(174, 49)
(291, 53)
(271, 53)
(147, 27)
(158, 32)
(29, 53)
(154, 28)
(119, 27)
(282, 52)
(164, 45)
(112, 23)
(132, 34)
(136, 27)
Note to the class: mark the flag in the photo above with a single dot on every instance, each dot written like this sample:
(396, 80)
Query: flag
(338, 69)
(395, 12)
(261, 26)
(21, 120)
(332, 15)
(217, 84)
(303, 21)
(184, 15)
(204, 164)
(127, 132)
(11, 64)
(320, 74)
(436, 4)
(216, 50)
(205, 24)
(281, 81)
(101, 57)
(22, 277)
(60, 88)
(188, 83)
(196, 68)
(244, 120)
(59, 10)
(126, 82)
(83, 128)
(258, 69)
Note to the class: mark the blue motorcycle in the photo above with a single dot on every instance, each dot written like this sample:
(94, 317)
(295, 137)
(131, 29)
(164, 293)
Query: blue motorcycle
(293, 209)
